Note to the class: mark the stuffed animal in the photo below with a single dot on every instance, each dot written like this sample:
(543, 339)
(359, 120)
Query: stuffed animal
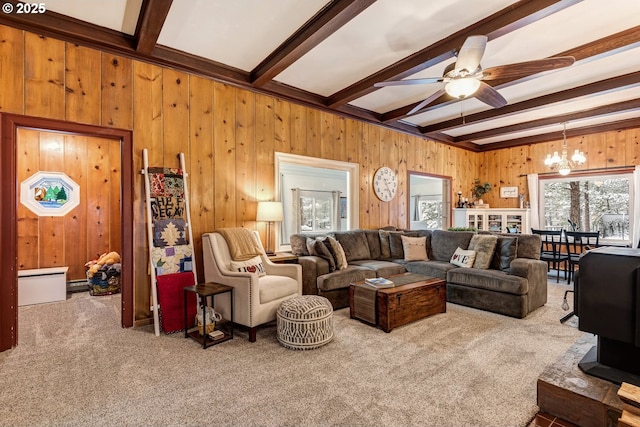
(109, 258)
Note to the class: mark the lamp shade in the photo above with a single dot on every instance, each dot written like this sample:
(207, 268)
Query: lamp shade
(269, 211)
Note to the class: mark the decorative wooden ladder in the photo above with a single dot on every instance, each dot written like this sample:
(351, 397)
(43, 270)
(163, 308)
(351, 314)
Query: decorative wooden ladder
(169, 198)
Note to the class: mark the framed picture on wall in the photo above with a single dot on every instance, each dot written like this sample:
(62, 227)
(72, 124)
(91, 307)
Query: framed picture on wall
(509, 192)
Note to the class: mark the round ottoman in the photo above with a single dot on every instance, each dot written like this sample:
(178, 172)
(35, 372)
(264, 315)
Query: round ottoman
(305, 322)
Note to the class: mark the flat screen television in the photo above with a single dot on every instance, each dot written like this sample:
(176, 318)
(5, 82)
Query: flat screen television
(608, 305)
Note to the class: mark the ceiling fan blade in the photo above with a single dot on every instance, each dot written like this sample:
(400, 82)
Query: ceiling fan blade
(471, 53)
(490, 96)
(527, 68)
(437, 94)
(409, 82)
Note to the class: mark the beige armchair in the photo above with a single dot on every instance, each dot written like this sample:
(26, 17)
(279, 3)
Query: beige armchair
(255, 299)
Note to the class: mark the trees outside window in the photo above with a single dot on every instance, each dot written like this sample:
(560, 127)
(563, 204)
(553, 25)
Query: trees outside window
(595, 203)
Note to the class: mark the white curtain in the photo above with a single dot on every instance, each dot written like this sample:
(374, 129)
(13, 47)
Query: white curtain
(534, 202)
(635, 224)
(336, 209)
(295, 210)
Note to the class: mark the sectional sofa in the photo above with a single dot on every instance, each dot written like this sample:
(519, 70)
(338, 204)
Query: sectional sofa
(514, 284)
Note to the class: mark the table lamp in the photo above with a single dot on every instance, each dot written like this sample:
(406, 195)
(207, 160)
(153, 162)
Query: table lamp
(269, 212)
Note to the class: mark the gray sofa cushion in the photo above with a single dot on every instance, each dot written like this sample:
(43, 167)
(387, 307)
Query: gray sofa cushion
(354, 243)
(492, 280)
(445, 243)
(506, 251)
(342, 278)
(373, 240)
(431, 268)
(381, 267)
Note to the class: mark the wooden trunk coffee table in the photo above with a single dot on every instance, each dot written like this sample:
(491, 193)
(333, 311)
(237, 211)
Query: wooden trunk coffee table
(389, 308)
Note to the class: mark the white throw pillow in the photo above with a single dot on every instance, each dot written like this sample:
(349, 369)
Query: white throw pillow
(415, 248)
(253, 265)
(463, 258)
(338, 251)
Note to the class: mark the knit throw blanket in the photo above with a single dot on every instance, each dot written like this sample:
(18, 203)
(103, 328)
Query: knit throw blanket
(242, 243)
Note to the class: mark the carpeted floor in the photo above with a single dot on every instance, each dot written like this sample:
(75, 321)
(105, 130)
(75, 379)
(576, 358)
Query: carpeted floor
(74, 366)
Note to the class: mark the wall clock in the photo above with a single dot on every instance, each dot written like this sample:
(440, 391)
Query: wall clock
(385, 183)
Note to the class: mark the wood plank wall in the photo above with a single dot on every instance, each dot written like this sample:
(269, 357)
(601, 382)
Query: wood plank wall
(228, 136)
(88, 230)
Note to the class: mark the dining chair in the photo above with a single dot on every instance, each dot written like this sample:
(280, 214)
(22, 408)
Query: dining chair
(578, 242)
(552, 251)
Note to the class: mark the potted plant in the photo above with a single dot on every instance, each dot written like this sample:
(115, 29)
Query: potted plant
(480, 189)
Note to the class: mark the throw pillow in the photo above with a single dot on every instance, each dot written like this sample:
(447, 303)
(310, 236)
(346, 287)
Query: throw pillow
(506, 251)
(415, 248)
(253, 265)
(298, 245)
(341, 258)
(484, 245)
(463, 258)
(390, 244)
(318, 248)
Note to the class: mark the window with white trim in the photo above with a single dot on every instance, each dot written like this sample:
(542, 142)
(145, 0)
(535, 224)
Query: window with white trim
(589, 203)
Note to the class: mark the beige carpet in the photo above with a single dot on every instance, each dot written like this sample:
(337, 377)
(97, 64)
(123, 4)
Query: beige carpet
(75, 366)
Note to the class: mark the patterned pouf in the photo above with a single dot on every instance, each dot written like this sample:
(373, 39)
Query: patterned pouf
(305, 322)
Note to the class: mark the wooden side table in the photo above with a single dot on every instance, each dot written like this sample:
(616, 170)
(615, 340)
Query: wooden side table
(206, 291)
(283, 258)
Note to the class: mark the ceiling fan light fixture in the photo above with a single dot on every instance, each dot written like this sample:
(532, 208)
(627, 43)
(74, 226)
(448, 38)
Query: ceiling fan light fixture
(463, 87)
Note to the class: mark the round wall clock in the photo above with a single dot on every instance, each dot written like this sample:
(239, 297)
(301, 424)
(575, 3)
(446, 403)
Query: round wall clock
(385, 183)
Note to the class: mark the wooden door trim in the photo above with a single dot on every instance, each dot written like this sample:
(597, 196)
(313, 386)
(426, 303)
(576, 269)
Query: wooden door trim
(9, 124)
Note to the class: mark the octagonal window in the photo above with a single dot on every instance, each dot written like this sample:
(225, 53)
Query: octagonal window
(49, 193)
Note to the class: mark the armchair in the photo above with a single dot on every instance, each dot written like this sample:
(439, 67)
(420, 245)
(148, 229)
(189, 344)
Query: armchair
(255, 299)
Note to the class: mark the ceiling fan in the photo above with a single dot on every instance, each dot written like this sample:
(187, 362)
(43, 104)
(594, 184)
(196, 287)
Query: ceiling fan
(464, 78)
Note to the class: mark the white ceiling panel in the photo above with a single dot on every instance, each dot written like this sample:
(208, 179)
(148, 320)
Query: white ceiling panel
(592, 121)
(236, 33)
(384, 33)
(555, 109)
(119, 15)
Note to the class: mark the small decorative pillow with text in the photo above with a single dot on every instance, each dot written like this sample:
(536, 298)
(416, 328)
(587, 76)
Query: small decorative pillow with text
(253, 265)
(415, 248)
(463, 258)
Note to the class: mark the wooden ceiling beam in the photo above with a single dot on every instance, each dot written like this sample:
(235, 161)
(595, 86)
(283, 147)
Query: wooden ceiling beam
(612, 83)
(507, 20)
(558, 136)
(604, 110)
(597, 49)
(153, 13)
(326, 22)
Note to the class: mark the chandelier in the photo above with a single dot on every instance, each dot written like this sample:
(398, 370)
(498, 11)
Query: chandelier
(560, 162)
